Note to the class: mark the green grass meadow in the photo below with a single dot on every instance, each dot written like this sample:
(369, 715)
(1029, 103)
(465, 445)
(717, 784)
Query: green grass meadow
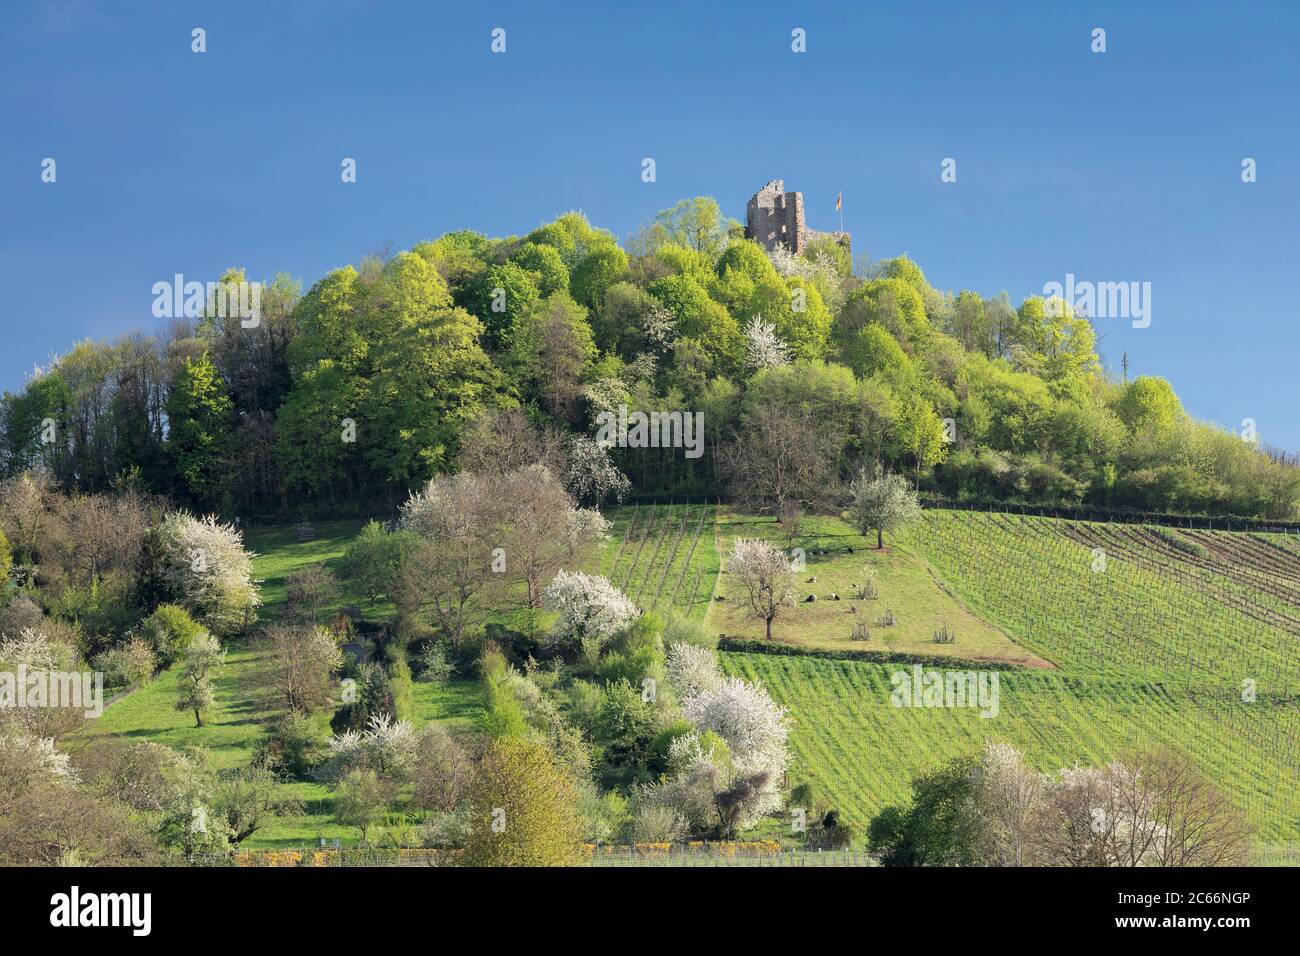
(1090, 665)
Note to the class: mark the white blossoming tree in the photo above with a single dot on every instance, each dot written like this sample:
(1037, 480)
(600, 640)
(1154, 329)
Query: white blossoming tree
(763, 347)
(754, 726)
(446, 576)
(726, 773)
(592, 610)
(1008, 794)
(33, 650)
(765, 578)
(25, 760)
(205, 565)
(387, 747)
(882, 502)
(691, 669)
(591, 476)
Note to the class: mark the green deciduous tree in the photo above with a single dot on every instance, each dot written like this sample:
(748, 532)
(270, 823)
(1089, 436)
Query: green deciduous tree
(1052, 342)
(200, 424)
(523, 810)
(1149, 402)
(596, 272)
(194, 691)
(499, 298)
(696, 223)
(941, 827)
(373, 559)
(169, 631)
(552, 351)
(546, 261)
(361, 799)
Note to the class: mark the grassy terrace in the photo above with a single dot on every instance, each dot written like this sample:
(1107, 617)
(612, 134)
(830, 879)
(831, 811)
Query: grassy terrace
(839, 561)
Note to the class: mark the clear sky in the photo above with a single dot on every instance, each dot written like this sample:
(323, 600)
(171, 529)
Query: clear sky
(1120, 166)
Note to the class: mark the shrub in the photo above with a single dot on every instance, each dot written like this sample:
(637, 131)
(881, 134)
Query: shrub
(655, 823)
(102, 610)
(168, 631)
(684, 631)
(591, 609)
(401, 688)
(436, 667)
(624, 727)
(295, 745)
(374, 557)
(22, 614)
(505, 714)
(128, 665)
(803, 795)
(446, 830)
(831, 831)
(6, 559)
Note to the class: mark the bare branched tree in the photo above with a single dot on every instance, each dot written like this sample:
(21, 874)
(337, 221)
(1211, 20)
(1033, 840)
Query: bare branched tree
(780, 457)
(501, 441)
(765, 577)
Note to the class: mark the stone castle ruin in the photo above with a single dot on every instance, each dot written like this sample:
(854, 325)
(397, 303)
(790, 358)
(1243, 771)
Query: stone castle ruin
(774, 217)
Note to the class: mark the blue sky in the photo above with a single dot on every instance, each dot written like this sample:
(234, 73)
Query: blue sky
(1122, 166)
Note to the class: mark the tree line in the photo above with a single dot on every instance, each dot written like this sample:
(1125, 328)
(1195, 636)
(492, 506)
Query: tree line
(347, 397)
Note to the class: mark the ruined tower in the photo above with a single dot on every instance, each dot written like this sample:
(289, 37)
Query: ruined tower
(774, 217)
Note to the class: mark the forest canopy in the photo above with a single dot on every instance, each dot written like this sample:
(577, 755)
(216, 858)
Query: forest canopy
(348, 396)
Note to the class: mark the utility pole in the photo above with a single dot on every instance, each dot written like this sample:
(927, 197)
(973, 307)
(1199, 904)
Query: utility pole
(1124, 363)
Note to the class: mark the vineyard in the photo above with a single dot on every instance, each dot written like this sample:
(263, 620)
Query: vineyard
(1160, 636)
(860, 752)
(664, 557)
(1191, 611)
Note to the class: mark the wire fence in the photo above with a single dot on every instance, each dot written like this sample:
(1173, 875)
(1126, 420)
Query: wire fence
(1200, 522)
(601, 856)
(784, 858)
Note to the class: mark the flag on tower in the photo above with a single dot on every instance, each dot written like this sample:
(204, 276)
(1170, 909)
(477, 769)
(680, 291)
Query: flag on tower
(839, 201)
